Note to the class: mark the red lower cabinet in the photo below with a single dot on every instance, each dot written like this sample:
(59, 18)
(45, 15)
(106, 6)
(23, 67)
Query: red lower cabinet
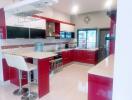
(99, 88)
(6, 70)
(14, 78)
(85, 56)
(67, 57)
(43, 77)
(11, 74)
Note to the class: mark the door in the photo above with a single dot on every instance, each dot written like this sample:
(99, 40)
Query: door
(103, 44)
(91, 38)
(82, 38)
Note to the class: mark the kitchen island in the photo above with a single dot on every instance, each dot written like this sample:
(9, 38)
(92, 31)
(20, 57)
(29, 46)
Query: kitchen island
(100, 80)
(88, 56)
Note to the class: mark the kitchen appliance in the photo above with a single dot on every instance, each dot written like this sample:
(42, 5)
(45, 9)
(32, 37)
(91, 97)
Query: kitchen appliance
(39, 47)
(66, 46)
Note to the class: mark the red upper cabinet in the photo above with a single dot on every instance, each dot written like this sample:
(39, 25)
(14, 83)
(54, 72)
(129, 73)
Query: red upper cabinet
(57, 29)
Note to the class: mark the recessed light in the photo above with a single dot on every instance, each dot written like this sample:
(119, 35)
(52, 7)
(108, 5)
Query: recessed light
(75, 9)
(108, 4)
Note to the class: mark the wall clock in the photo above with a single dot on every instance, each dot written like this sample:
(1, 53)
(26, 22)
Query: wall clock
(86, 19)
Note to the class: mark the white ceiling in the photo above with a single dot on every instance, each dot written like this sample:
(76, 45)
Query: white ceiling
(4, 3)
(65, 6)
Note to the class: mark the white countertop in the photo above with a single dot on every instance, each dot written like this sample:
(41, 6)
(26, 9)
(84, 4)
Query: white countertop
(29, 53)
(104, 68)
(89, 49)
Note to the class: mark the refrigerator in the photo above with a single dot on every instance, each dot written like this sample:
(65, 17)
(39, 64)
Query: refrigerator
(87, 38)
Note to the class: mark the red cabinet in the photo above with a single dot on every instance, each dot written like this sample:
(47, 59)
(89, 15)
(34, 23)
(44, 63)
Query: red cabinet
(85, 56)
(14, 78)
(11, 74)
(5, 70)
(67, 56)
(43, 76)
(99, 88)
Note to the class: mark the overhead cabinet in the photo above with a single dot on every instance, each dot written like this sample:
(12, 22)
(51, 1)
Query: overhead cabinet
(67, 27)
(67, 31)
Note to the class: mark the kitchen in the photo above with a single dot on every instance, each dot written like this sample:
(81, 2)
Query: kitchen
(45, 35)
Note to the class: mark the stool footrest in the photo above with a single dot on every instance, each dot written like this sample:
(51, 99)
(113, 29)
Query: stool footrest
(19, 92)
(31, 96)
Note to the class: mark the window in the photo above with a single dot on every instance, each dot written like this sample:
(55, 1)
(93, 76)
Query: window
(87, 38)
(91, 39)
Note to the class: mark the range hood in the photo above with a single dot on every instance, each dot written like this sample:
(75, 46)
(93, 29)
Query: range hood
(29, 7)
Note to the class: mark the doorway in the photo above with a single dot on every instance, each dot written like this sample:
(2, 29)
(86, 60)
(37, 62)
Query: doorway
(103, 43)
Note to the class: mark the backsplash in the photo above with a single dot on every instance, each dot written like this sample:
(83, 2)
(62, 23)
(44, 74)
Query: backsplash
(49, 43)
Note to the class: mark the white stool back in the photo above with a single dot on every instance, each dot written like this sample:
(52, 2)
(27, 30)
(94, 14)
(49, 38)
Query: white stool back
(16, 62)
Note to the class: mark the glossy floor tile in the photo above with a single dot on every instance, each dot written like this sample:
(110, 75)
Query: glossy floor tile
(68, 84)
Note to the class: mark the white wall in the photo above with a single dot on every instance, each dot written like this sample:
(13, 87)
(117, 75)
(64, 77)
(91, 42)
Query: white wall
(97, 20)
(8, 42)
(122, 89)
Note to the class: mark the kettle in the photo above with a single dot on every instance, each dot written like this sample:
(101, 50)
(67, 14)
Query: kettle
(39, 47)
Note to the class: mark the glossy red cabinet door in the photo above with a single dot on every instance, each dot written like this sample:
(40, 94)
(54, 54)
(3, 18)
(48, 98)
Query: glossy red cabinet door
(99, 88)
(5, 70)
(67, 56)
(83, 56)
(43, 76)
(14, 79)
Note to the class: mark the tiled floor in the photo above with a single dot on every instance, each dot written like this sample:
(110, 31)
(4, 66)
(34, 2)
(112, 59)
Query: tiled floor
(68, 84)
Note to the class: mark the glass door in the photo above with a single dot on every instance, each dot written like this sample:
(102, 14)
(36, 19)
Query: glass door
(87, 38)
(82, 37)
(91, 38)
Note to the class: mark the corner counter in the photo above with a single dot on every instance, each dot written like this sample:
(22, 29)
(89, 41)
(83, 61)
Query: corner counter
(100, 80)
(104, 68)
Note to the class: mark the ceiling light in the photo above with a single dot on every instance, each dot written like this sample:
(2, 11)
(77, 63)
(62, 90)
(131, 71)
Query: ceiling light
(75, 9)
(108, 4)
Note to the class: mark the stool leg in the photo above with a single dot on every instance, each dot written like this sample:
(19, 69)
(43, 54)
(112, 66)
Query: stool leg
(21, 90)
(30, 95)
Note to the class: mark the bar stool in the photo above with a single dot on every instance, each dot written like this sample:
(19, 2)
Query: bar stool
(12, 63)
(20, 63)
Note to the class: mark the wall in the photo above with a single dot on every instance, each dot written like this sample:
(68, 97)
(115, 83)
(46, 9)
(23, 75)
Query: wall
(97, 20)
(122, 89)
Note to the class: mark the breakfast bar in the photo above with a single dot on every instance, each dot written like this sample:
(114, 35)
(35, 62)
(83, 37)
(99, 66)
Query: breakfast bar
(42, 63)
